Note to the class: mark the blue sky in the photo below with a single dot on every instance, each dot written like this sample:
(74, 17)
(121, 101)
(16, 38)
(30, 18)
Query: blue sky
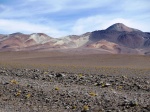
(59, 18)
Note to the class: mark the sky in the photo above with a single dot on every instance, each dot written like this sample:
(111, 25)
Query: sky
(59, 18)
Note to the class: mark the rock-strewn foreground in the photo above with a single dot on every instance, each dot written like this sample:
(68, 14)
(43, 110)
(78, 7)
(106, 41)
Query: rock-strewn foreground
(34, 90)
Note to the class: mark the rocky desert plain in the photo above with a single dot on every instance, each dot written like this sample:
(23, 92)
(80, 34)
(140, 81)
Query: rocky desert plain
(100, 71)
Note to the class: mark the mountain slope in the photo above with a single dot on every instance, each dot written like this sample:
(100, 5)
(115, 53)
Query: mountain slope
(121, 27)
(122, 35)
(117, 38)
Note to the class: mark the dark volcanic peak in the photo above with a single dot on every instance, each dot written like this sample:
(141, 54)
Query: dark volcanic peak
(120, 27)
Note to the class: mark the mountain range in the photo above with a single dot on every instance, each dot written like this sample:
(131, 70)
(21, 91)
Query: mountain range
(116, 39)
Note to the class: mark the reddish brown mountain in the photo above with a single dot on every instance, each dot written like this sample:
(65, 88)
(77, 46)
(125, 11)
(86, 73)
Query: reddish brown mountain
(117, 38)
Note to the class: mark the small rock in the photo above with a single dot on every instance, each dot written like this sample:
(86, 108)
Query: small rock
(147, 107)
(105, 84)
(43, 78)
(19, 75)
(147, 82)
(47, 100)
(133, 103)
(130, 103)
(50, 75)
(5, 83)
(59, 75)
(108, 84)
(67, 107)
(96, 84)
(5, 99)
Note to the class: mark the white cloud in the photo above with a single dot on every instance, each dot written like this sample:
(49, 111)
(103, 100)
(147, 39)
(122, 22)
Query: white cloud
(133, 23)
(33, 7)
(30, 16)
(11, 26)
(99, 22)
(96, 23)
(83, 25)
(30, 8)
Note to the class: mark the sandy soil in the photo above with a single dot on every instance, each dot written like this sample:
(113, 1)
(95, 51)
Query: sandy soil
(50, 82)
(74, 59)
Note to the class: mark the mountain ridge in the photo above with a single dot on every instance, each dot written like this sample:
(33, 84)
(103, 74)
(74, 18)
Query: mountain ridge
(123, 39)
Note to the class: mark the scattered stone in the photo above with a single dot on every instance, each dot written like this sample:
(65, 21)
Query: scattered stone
(147, 82)
(133, 103)
(105, 84)
(50, 76)
(47, 100)
(147, 107)
(19, 74)
(59, 75)
(129, 103)
(5, 83)
(78, 93)
(97, 84)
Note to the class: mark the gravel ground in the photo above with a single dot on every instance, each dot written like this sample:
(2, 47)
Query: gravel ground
(35, 90)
